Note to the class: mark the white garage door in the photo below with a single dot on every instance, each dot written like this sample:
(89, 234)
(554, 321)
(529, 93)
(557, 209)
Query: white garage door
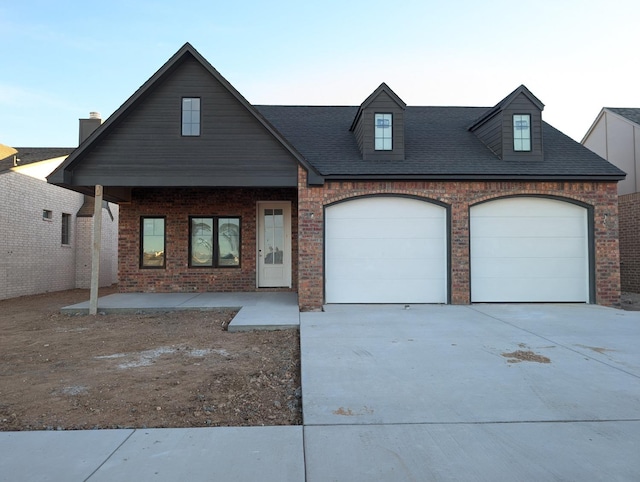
(385, 250)
(529, 250)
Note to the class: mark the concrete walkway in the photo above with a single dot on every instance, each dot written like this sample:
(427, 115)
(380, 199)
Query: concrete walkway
(390, 394)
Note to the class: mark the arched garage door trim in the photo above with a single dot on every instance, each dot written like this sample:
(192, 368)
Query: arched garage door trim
(447, 232)
(590, 234)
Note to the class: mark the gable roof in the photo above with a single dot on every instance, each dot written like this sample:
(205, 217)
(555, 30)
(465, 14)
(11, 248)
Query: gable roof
(628, 114)
(504, 103)
(382, 88)
(61, 176)
(631, 114)
(438, 145)
(29, 155)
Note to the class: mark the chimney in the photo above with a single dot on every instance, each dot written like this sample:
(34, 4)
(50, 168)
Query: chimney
(87, 126)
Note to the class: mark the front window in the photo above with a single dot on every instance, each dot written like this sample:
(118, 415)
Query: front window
(383, 132)
(191, 116)
(214, 242)
(152, 243)
(522, 132)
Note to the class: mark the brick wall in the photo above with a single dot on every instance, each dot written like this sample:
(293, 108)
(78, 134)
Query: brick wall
(177, 205)
(32, 257)
(629, 207)
(460, 196)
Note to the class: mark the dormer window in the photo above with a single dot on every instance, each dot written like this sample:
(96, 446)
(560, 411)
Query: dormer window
(383, 132)
(191, 116)
(522, 132)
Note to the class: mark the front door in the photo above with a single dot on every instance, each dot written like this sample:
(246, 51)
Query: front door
(274, 244)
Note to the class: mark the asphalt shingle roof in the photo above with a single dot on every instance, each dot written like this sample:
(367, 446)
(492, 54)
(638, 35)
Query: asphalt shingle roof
(629, 113)
(437, 143)
(29, 155)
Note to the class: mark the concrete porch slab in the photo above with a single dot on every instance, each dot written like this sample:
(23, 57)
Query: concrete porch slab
(258, 310)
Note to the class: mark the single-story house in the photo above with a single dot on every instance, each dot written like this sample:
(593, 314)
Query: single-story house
(45, 230)
(615, 135)
(375, 203)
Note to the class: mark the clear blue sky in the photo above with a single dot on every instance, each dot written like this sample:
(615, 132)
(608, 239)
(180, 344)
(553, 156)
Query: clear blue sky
(63, 59)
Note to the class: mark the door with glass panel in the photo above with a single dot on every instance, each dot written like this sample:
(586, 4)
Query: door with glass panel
(274, 244)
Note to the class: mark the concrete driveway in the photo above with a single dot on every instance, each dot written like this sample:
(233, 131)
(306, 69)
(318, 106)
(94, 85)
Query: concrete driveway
(430, 393)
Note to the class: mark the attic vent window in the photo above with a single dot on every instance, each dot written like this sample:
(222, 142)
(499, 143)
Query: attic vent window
(191, 116)
(383, 132)
(522, 132)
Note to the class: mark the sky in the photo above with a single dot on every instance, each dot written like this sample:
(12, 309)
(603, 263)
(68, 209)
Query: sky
(64, 59)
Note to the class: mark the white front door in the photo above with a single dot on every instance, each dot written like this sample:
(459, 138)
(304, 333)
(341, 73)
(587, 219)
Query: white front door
(274, 244)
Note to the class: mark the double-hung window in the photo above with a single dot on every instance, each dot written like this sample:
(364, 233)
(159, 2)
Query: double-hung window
(152, 242)
(214, 242)
(383, 132)
(521, 132)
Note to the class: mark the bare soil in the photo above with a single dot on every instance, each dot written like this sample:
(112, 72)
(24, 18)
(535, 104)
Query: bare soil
(140, 370)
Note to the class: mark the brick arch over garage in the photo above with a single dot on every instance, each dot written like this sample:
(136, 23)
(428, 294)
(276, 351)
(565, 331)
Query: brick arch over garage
(459, 195)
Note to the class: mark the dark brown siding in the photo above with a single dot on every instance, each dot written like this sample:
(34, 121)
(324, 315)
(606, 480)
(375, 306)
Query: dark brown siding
(147, 149)
(491, 134)
(522, 105)
(364, 129)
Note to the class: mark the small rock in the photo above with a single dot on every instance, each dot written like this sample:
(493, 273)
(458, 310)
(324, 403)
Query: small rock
(277, 404)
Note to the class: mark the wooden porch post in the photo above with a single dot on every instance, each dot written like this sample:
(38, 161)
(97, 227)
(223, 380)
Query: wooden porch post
(95, 251)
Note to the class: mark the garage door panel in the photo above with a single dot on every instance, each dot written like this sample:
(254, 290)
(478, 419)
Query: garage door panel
(529, 250)
(528, 226)
(385, 250)
(359, 228)
(383, 270)
(384, 207)
(528, 247)
(534, 267)
(423, 291)
(549, 290)
(523, 207)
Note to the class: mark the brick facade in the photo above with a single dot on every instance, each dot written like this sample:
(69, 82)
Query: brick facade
(308, 232)
(460, 196)
(33, 259)
(629, 208)
(177, 205)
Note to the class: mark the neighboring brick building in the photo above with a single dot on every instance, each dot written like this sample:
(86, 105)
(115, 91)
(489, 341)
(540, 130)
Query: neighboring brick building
(45, 239)
(376, 203)
(615, 135)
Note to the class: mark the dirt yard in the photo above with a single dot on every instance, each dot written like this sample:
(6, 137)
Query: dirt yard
(172, 369)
